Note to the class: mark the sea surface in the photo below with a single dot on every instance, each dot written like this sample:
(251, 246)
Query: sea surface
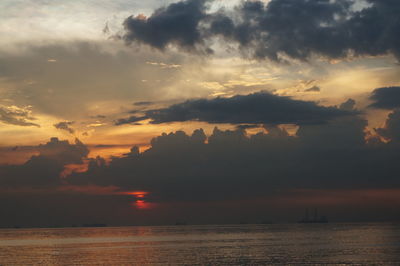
(280, 244)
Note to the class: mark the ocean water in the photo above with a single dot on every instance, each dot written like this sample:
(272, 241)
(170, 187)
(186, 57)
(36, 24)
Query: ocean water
(280, 244)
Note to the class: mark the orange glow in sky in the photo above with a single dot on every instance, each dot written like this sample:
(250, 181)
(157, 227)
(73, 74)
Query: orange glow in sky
(138, 194)
(140, 199)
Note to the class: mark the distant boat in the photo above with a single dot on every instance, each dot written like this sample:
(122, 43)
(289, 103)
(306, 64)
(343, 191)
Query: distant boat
(314, 220)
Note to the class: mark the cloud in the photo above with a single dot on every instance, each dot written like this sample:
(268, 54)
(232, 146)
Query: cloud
(176, 23)
(14, 115)
(348, 105)
(227, 166)
(386, 98)
(256, 108)
(63, 152)
(163, 65)
(129, 120)
(44, 169)
(98, 116)
(245, 126)
(53, 92)
(391, 131)
(65, 126)
(298, 29)
(230, 164)
(313, 89)
(144, 103)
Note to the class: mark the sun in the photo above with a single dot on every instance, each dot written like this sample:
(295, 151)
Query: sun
(140, 199)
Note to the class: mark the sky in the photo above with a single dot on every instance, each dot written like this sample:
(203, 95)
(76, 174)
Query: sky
(199, 111)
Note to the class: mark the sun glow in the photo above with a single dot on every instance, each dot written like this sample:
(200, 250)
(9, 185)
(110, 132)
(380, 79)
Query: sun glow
(137, 194)
(140, 199)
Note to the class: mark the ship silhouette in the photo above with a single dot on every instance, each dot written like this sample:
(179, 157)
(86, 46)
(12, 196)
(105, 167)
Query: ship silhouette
(314, 220)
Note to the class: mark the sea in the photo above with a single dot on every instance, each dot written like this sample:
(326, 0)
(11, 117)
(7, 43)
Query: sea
(269, 244)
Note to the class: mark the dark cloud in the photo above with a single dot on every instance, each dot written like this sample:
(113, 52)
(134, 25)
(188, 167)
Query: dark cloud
(178, 24)
(386, 98)
(348, 105)
(313, 89)
(63, 152)
(145, 103)
(247, 126)
(44, 169)
(391, 131)
(129, 120)
(233, 165)
(275, 131)
(14, 115)
(99, 116)
(227, 166)
(65, 126)
(296, 28)
(257, 108)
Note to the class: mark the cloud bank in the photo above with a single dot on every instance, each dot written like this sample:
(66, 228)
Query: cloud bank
(230, 164)
(256, 108)
(294, 28)
(44, 169)
(180, 170)
(386, 98)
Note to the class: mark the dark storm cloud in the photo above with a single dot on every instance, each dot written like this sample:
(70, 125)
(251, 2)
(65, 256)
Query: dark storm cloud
(233, 165)
(297, 28)
(391, 131)
(65, 126)
(63, 152)
(16, 116)
(178, 23)
(386, 98)
(228, 164)
(43, 170)
(256, 108)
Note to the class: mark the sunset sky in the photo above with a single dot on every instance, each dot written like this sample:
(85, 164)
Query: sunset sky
(158, 111)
